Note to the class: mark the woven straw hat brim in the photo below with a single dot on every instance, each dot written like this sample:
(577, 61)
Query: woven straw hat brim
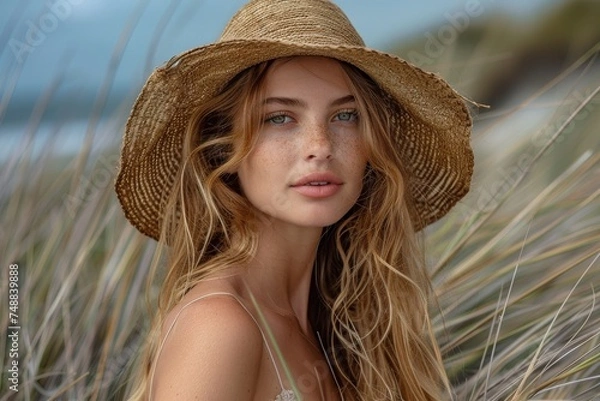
(432, 132)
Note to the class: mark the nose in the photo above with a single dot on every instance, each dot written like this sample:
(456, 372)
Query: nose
(319, 145)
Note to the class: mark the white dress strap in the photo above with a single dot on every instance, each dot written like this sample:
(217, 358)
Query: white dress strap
(172, 325)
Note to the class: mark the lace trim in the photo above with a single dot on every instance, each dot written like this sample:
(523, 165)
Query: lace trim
(286, 395)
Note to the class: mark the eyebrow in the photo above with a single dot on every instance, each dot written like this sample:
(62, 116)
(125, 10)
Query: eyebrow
(291, 102)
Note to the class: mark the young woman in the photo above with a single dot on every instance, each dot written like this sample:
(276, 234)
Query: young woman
(287, 168)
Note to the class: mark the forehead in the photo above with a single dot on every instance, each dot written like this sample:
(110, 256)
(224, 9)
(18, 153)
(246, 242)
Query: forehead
(306, 74)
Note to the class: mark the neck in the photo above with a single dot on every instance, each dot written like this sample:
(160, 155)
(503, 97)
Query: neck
(279, 275)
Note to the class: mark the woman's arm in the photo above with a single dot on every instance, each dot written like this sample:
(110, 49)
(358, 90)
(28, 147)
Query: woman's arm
(212, 352)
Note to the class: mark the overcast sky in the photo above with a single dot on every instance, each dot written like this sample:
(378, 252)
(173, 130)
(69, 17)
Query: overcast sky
(42, 39)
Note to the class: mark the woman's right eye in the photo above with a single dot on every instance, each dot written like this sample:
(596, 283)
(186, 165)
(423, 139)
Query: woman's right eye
(278, 119)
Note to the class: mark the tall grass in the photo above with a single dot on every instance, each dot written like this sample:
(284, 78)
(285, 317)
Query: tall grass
(516, 269)
(516, 274)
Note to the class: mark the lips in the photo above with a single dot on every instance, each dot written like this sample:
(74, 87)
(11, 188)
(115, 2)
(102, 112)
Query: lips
(318, 179)
(318, 185)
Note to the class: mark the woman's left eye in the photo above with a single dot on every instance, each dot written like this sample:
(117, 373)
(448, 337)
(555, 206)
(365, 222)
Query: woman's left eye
(348, 115)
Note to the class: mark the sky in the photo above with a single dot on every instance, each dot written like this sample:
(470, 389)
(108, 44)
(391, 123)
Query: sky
(77, 41)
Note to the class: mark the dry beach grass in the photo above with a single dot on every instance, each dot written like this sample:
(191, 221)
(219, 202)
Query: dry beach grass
(516, 266)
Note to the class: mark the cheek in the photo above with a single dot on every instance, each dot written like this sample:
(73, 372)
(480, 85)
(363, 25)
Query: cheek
(268, 155)
(263, 164)
(355, 154)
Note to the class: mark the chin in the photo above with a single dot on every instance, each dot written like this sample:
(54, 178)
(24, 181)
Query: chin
(307, 216)
(315, 219)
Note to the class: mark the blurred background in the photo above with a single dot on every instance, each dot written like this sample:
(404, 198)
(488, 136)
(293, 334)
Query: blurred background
(87, 58)
(91, 56)
(71, 69)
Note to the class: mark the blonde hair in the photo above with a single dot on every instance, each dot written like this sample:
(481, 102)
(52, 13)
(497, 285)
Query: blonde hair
(370, 290)
(373, 287)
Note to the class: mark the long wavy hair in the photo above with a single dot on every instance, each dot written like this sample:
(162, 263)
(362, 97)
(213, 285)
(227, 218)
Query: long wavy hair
(369, 296)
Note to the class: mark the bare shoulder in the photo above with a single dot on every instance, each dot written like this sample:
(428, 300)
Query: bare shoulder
(211, 349)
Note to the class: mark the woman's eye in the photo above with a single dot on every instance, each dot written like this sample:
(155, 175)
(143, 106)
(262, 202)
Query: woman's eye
(347, 116)
(278, 119)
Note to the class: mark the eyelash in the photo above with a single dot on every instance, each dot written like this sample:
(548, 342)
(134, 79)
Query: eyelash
(270, 117)
(352, 112)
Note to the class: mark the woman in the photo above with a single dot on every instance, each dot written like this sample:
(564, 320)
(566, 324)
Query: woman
(288, 168)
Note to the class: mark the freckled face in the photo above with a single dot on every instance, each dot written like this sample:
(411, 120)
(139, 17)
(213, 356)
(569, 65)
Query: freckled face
(308, 163)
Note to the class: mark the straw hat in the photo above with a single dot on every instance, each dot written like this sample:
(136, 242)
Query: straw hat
(432, 130)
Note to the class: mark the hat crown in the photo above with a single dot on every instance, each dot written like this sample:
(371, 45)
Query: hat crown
(305, 22)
